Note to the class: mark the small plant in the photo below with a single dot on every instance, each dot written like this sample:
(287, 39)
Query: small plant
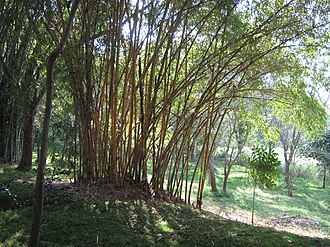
(263, 170)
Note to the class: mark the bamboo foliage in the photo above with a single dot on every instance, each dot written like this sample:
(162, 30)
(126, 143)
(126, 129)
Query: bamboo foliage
(150, 79)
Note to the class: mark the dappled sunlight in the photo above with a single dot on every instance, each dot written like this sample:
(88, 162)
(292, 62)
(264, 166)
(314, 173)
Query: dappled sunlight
(164, 226)
(15, 238)
(135, 222)
(14, 224)
(138, 223)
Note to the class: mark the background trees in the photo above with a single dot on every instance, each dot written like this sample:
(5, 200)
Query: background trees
(13, 50)
(294, 122)
(319, 150)
(234, 136)
(21, 56)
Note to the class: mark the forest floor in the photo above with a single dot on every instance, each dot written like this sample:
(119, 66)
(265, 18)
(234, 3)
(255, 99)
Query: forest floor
(95, 215)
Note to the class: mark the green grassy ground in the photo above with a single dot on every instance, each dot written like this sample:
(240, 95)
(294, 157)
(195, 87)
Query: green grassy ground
(139, 223)
(309, 200)
(146, 223)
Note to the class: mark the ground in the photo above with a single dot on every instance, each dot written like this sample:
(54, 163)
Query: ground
(112, 215)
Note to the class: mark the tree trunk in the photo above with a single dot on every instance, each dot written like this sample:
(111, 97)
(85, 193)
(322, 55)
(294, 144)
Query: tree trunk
(193, 150)
(225, 182)
(290, 145)
(28, 134)
(225, 177)
(324, 177)
(253, 201)
(288, 178)
(38, 145)
(26, 160)
(290, 194)
(213, 180)
(38, 207)
(288, 163)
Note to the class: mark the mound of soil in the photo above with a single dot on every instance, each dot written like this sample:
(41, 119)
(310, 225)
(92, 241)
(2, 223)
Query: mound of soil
(101, 191)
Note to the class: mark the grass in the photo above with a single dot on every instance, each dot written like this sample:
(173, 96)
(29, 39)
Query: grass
(309, 200)
(156, 223)
(139, 223)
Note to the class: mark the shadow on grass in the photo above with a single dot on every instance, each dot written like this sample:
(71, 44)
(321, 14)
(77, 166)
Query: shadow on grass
(139, 223)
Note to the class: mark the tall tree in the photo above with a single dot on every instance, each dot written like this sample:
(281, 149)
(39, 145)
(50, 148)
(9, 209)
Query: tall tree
(38, 208)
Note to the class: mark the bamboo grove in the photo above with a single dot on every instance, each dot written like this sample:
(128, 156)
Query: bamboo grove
(150, 79)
